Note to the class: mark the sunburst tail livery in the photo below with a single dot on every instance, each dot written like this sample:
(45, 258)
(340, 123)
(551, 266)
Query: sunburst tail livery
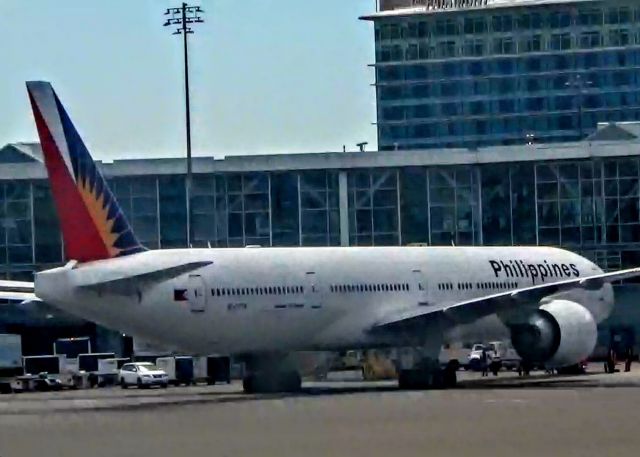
(93, 225)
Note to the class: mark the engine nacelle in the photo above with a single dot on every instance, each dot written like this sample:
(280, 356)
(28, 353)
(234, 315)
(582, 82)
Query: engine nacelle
(558, 334)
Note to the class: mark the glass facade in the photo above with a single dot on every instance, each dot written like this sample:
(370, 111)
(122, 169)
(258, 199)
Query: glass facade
(373, 207)
(591, 206)
(506, 76)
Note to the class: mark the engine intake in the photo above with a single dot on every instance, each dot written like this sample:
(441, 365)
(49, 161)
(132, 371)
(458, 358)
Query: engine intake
(558, 334)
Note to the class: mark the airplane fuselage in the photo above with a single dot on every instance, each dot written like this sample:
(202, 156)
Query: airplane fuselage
(289, 299)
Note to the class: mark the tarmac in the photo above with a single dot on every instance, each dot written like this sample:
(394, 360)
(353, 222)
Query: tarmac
(593, 414)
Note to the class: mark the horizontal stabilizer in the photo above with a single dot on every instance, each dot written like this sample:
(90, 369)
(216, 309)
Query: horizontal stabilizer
(127, 285)
(18, 296)
(468, 311)
(17, 291)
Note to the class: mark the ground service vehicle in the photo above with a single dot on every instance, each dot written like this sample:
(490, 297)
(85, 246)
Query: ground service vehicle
(10, 354)
(179, 369)
(142, 374)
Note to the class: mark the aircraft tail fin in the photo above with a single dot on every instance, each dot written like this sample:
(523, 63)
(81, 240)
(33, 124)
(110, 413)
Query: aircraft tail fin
(93, 225)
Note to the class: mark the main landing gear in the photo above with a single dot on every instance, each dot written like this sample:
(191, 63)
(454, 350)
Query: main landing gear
(270, 374)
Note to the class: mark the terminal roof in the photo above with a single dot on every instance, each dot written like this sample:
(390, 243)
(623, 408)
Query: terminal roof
(491, 4)
(610, 140)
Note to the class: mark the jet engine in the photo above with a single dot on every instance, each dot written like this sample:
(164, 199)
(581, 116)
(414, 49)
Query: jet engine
(558, 334)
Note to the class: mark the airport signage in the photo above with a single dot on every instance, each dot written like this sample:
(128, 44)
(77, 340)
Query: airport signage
(450, 4)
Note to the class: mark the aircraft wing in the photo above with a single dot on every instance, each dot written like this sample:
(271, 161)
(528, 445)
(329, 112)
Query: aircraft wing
(17, 291)
(468, 311)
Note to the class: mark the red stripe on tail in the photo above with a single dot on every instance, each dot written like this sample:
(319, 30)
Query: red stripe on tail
(82, 242)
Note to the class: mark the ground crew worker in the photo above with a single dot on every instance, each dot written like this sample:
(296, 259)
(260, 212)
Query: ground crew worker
(485, 362)
(629, 359)
(610, 365)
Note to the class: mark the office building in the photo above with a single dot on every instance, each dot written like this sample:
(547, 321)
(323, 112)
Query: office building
(477, 73)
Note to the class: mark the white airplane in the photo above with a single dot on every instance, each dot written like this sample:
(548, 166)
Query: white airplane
(260, 304)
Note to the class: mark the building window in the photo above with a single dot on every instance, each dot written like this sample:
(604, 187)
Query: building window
(532, 43)
(619, 15)
(502, 23)
(533, 64)
(559, 19)
(530, 21)
(590, 17)
(618, 37)
(590, 39)
(411, 52)
(475, 25)
(446, 49)
(446, 27)
(473, 48)
(560, 41)
(503, 45)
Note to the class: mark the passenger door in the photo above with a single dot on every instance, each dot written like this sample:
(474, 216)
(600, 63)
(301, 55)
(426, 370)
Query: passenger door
(197, 294)
(312, 295)
(421, 287)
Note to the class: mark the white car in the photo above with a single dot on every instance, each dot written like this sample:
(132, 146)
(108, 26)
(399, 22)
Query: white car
(142, 374)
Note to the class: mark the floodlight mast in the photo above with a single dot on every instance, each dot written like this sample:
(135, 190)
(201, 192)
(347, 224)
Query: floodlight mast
(182, 17)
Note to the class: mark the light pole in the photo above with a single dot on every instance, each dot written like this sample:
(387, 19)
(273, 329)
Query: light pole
(579, 83)
(182, 17)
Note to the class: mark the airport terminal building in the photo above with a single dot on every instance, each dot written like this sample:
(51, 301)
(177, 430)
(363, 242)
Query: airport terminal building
(583, 196)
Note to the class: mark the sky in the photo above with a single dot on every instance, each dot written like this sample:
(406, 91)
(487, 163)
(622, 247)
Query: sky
(266, 76)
